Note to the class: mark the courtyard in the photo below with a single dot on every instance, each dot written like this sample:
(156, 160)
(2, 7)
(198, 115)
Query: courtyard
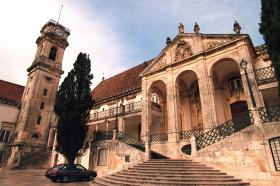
(30, 177)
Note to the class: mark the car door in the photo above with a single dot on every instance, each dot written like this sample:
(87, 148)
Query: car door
(81, 171)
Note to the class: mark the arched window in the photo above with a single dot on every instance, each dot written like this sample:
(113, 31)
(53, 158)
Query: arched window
(35, 136)
(102, 157)
(52, 54)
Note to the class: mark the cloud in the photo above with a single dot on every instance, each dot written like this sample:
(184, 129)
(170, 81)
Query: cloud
(22, 20)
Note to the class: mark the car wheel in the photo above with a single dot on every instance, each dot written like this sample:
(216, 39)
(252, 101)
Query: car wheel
(90, 177)
(54, 180)
(65, 179)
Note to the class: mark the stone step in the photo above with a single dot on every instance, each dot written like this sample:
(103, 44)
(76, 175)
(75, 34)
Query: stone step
(173, 169)
(172, 166)
(171, 177)
(168, 172)
(109, 181)
(175, 172)
(155, 179)
(179, 174)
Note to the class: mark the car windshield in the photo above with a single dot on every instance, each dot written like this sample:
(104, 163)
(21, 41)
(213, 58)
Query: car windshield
(57, 167)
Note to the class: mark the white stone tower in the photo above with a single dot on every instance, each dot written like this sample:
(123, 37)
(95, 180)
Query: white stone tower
(36, 114)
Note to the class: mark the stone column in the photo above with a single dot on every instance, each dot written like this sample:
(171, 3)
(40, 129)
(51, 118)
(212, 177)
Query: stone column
(206, 93)
(121, 123)
(146, 118)
(252, 79)
(172, 112)
(53, 159)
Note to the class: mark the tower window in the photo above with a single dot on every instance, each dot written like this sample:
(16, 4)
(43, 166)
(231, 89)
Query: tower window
(45, 92)
(39, 120)
(35, 136)
(52, 54)
(42, 105)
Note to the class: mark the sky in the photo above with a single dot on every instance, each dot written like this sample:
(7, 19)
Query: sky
(117, 34)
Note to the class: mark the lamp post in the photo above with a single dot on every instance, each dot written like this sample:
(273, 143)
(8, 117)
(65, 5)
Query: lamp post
(116, 123)
(243, 65)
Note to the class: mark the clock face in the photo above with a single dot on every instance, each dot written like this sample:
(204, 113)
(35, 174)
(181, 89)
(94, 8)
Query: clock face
(58, 32)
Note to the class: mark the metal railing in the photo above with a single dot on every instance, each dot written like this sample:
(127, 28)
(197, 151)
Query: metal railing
(269, 113)
(130, 140)
(101, 136)
(132, 107)
(224, 130)
(264, 75)
(159, 137)
(156, 106)
(186, 135)
(123, 110)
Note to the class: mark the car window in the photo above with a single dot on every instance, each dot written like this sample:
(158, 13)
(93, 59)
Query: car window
(79, 167)
(57, 167)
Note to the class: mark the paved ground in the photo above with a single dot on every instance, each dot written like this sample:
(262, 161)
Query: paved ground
(30, 178)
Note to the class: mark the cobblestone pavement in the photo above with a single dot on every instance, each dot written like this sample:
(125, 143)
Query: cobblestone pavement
(31, 178)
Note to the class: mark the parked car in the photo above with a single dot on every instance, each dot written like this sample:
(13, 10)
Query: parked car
(69, 172)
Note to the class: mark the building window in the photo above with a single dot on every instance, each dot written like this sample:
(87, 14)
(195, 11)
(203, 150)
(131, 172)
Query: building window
(45, 92)
(275, 150)
(155, 99)
(5, 136)
(2, 156)
(235, 84)
(102, 157)
(35, 136)
(52, 54)
(42, 105)
(39, 120)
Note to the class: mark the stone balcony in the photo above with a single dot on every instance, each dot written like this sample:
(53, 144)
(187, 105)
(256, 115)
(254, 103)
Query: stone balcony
(134, 107)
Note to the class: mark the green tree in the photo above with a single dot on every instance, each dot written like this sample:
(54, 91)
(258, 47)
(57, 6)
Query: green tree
(270, 29)
(72, 106)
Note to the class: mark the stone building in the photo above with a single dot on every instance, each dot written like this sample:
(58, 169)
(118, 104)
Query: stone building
(10, 97)
(211, 98)
(31, 119)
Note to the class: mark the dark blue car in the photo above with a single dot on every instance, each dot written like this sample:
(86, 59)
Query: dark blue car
(69, 172)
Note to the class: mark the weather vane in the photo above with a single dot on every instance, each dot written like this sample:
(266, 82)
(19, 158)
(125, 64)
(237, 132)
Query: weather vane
(59, 13)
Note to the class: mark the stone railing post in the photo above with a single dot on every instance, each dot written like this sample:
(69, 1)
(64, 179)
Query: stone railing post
(256, 116)
(115, 133)
(193, 145)
(147, 149)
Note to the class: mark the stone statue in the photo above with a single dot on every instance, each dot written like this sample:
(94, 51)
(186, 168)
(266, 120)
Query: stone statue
(181, 28)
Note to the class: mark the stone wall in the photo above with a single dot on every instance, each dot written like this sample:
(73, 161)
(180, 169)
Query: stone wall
(245, 155)
(115, 158)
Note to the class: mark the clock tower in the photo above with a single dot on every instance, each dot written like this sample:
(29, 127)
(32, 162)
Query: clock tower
(36, 115)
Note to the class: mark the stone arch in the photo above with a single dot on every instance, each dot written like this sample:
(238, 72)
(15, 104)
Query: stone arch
(188, 101)
(53, 53)
(158, 109)
(36, 135)
(212, 64)
(227, 86)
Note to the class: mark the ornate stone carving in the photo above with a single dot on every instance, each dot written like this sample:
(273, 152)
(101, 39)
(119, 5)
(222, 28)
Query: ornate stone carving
(160, 65)
(183, 50)
(212, 44)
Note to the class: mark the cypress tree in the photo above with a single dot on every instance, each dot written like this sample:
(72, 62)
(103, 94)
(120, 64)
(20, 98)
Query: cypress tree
(270, 29)
(72, 106)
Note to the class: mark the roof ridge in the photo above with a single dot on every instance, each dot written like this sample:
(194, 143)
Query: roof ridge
(11, 83)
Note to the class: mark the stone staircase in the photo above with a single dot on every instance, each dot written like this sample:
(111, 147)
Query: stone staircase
(168, 172)
(38, 160)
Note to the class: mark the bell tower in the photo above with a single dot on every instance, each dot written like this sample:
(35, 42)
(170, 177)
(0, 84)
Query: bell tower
(36, 114)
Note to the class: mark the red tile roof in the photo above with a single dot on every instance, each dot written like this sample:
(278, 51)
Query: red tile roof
(120, 84)
(10, 92)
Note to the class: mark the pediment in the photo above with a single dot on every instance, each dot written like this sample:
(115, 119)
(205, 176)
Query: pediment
(186, 45)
